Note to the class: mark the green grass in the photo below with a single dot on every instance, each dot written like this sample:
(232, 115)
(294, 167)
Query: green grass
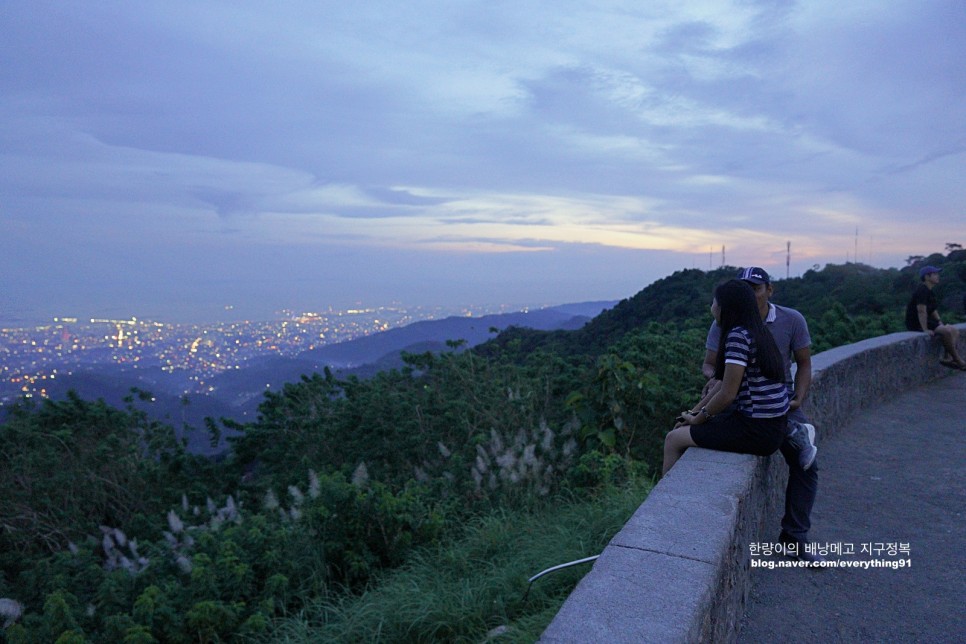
(464, 590)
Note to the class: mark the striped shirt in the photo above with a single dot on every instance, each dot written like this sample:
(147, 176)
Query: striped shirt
(758, 397)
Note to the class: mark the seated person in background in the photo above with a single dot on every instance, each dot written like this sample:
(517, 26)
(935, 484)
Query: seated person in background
(921, 315)
(752, 374)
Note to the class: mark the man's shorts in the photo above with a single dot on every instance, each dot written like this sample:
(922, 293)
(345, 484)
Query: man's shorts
(931, 322)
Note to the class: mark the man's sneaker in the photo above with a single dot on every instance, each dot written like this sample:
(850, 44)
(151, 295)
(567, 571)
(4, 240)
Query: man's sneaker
(802, 439)
(795, 549)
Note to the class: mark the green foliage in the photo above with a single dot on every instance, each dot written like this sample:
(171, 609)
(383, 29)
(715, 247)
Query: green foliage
(836, 327)
(236, 574)
(648, 378)
(858, 288)
(69, 466)
(156, 612)
(362, 528)
(596, 470)
(429, 422)
(618, 384)
(212, 621)
(59, 614)
(477, 583)
(139, 635)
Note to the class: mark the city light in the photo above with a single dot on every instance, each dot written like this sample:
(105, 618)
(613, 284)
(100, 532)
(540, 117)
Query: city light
(33, 356)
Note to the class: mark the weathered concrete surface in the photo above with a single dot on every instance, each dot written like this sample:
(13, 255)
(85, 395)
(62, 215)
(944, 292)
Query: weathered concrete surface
(850, 378)
(676, 571)
(894, 474)
(680, 571)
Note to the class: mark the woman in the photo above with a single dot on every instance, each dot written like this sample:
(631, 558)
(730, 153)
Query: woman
(752, 376)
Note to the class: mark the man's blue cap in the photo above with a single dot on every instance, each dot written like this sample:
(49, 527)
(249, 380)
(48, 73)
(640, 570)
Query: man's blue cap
(754, 275)
(926, 270)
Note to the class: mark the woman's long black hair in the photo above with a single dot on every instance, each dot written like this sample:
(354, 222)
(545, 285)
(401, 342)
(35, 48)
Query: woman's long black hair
(738, 307)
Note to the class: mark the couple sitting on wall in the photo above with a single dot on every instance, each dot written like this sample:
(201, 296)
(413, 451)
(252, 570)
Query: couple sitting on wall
(751, 404)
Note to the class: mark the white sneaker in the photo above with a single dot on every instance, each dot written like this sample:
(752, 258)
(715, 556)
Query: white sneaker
(803, 439)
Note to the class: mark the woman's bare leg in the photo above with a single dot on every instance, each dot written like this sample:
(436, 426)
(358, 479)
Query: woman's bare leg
(675, 443)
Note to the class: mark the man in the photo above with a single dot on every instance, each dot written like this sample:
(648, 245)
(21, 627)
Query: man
(790, 331)
(921, 315)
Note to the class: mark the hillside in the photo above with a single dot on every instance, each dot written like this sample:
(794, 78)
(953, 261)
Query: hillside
(832, 300)
(242, 389)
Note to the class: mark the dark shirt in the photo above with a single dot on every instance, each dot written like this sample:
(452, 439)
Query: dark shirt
(922, 295)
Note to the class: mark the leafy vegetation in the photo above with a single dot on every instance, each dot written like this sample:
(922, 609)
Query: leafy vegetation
(477, 583)
(411, 505)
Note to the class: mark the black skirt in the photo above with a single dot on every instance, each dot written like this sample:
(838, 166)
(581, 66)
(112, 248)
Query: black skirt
(743, 434)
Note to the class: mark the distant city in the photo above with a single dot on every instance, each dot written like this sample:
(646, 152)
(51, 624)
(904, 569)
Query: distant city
(31, 358)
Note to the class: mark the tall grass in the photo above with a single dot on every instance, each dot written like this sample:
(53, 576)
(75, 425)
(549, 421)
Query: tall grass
(472, 589)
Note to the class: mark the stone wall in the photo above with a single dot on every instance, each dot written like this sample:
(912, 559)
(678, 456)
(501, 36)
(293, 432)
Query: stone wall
(679, 570)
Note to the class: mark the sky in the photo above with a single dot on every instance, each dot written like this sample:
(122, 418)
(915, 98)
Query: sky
(170, 159)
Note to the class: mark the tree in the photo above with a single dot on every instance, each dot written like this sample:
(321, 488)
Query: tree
(69, 466)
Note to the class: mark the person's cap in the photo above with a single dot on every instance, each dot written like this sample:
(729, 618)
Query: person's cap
(926, 270)
(754, 275)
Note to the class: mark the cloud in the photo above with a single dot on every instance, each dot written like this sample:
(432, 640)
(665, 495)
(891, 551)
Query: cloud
(402, 197)
(511, 134)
